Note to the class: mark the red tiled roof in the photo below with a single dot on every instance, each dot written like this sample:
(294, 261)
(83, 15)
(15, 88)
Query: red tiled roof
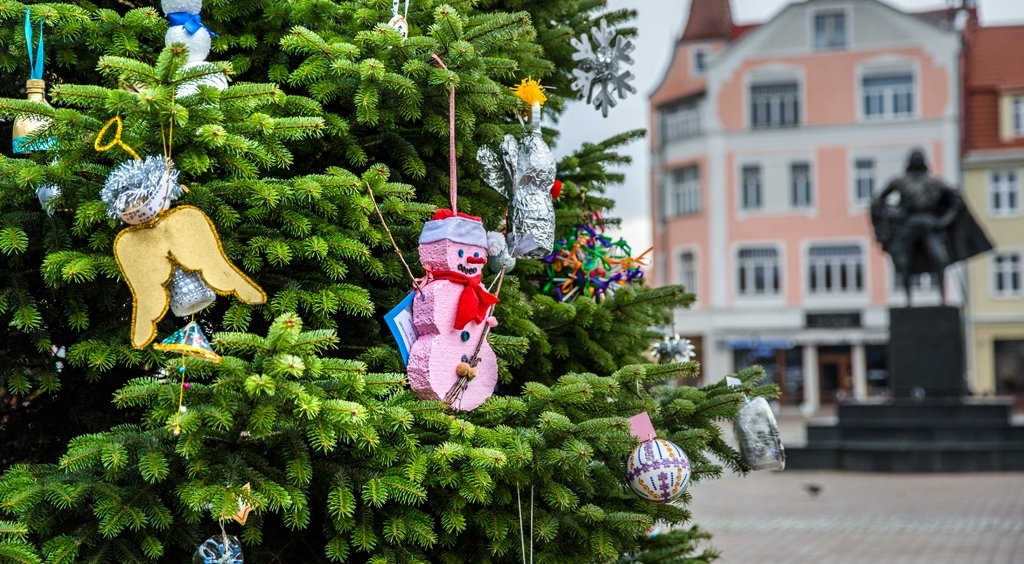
(739, 30)
(996, 57)
(994, 63)
(708, 19)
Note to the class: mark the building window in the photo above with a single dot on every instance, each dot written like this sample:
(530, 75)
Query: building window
(830, 31)
(1018, 116)
(758, 271)
(700, 61)
(835, 269)
(1005, 193)
(1006, 274)
(864, 180)
(800, 185)
(681, 121)
(889, 96)
(751, 196)
(774, 105)
(688, 271)
(685, 191)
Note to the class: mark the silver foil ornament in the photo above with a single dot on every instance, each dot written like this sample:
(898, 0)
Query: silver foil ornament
(189, 294)
(600, 77)
(674, 349)
(219, 549)
(757, 435)
(524, 173)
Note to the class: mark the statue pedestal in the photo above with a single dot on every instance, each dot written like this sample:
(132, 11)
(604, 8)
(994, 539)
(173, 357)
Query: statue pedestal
(926, 352)
(944, 431)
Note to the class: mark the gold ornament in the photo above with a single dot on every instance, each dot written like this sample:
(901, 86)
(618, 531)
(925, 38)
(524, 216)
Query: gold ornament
(26, 126)
(147, 254)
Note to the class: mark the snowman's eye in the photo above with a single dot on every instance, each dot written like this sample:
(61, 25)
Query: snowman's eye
(461, 253)
(476, 255)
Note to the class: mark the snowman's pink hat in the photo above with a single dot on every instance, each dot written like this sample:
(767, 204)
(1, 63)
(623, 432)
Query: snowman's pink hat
(457, 227)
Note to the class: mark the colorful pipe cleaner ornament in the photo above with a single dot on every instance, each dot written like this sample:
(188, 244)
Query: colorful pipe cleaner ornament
(590, 264)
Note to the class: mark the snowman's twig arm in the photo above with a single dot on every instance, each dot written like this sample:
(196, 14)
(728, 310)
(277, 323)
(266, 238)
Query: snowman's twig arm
(487, 329)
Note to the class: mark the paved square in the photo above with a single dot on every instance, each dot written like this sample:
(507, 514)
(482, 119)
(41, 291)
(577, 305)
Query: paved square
(862, 518)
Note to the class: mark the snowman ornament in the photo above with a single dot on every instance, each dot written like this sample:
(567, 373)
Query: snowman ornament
(451, 359)
(186, 26)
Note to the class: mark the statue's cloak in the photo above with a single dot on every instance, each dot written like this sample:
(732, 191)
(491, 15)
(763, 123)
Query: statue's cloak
(963, 237)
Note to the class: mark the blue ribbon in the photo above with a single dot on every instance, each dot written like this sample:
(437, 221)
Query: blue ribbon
(35, 65)
(191, 22)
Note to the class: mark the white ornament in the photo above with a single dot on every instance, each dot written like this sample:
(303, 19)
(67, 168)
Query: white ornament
(188, 6)
(498, 256)
(674, 349)
(196, 37)
(398, 20)
(218, 81)
(198, 43)
(601, 68)
(48, 195)
(658, 471)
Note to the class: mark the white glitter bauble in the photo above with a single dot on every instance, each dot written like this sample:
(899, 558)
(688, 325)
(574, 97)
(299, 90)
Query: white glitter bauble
(658, 471)
(198, 43)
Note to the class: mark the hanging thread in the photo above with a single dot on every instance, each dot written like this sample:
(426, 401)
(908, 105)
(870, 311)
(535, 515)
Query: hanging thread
(453, 184)
(415, 281)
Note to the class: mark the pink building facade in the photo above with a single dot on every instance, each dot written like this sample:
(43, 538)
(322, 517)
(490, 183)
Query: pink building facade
(767, 145)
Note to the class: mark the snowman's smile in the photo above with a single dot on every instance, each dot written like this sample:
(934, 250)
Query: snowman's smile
(466, 269)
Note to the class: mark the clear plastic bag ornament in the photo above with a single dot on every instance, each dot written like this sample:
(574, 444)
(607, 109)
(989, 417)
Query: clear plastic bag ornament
(219, 549)
(757, 435)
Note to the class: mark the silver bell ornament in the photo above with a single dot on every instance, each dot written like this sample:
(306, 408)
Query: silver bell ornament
(525, 173)
(219, 549)
(189, 294)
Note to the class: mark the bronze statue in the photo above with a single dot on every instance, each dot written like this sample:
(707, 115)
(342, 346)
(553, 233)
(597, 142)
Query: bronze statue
(929, 228)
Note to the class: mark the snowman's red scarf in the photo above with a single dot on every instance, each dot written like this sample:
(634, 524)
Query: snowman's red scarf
(474, 302)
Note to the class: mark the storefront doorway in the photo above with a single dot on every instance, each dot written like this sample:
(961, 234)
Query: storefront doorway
(835, 374)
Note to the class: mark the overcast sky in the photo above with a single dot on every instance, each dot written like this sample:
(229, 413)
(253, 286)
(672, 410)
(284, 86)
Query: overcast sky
(660, 23)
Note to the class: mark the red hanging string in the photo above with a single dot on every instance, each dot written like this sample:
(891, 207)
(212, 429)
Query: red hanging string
(453, 187)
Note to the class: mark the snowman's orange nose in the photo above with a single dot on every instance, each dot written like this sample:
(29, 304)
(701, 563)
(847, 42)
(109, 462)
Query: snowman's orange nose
(476, 260)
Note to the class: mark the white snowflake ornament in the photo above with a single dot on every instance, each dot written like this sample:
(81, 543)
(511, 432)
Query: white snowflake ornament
(599, 77)
(674, 349)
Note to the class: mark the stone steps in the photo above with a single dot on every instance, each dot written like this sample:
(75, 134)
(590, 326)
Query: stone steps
(938, 435)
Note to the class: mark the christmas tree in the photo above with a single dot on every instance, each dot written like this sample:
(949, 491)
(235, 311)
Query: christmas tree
(307, 423)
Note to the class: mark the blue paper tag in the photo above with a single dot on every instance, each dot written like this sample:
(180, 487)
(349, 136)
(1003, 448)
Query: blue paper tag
(399, 320)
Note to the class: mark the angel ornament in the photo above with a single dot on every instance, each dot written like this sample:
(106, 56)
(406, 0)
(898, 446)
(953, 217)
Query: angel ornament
(525, 173)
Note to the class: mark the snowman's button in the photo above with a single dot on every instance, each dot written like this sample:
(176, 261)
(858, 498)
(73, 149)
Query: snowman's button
(465, 336)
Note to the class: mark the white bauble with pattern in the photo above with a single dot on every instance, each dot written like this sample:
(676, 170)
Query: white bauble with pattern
(658, 471)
